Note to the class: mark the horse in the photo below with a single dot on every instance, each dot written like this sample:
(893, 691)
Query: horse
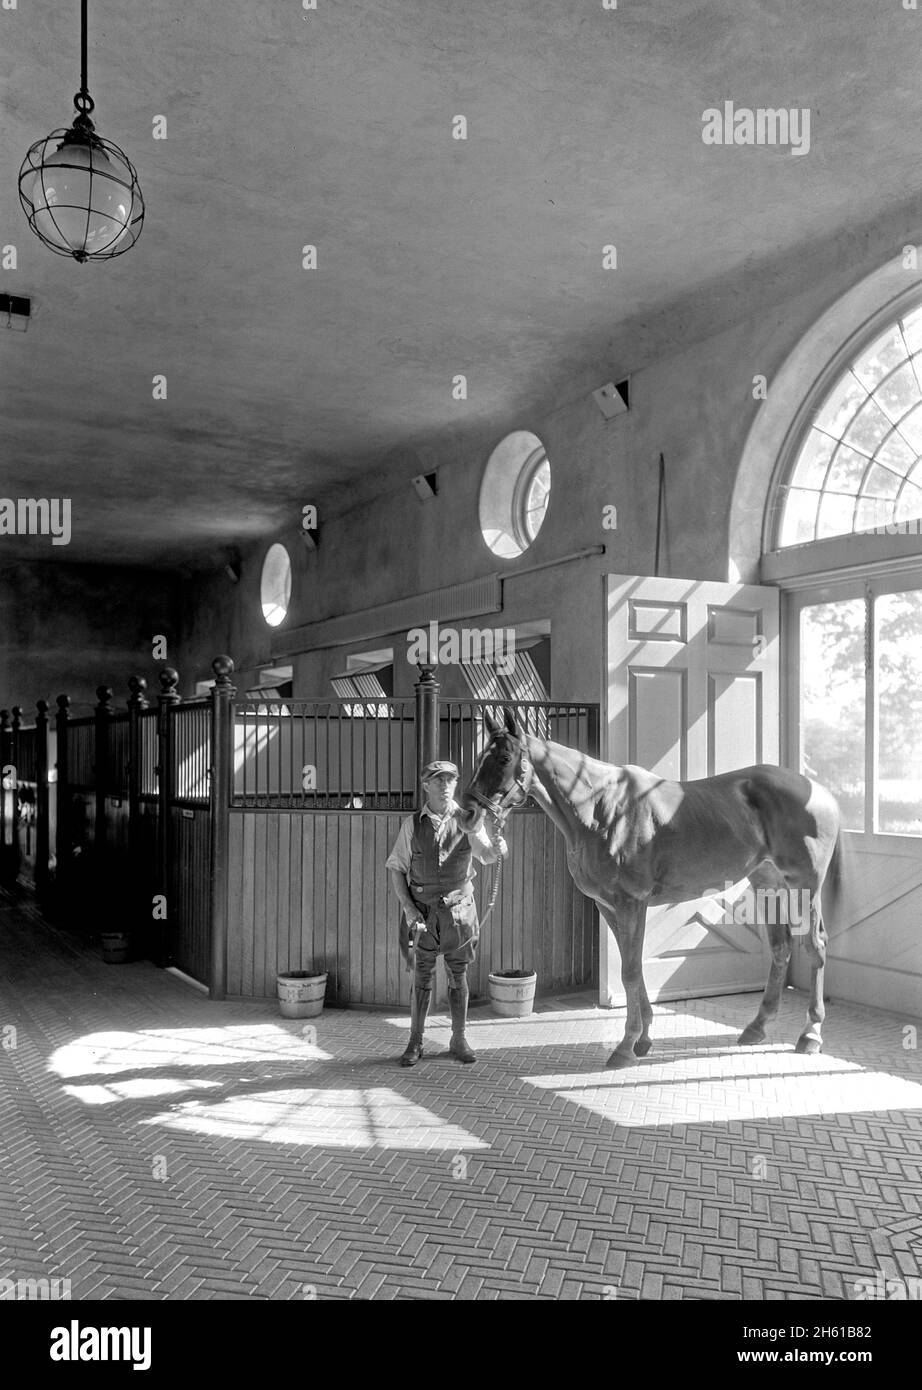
(636, 839)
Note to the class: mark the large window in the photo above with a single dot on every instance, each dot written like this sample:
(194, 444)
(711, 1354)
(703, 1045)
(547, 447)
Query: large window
(859, 467)
(861, 703)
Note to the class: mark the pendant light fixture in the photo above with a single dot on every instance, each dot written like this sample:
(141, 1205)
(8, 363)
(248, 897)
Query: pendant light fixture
(80, 192)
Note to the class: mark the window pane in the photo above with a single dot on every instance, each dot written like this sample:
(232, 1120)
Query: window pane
(911, 429)
(898, 646)
(881, 482)
(813, 460)
(899, 393)
(843, 402)
(847, 471)
(881, 357)
(836, 515)
(869, 429)
(909, 503)
(832, 723)
(799, 519)
(896, 453)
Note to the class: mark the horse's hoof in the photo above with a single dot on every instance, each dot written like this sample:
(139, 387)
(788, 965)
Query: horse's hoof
(642, 1047)
(808, 1047)
(618, 1061)
(750, 1037)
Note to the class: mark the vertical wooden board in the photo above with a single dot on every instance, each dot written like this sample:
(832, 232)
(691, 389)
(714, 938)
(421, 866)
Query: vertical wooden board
(248, 952)
(234, 901)
(293, 888)
(404, 981)
(528, 932)
(272, 895)
(335, 871)
(379, 908)
(312, 885)
(259, 904)
(354, 904)
(325, 930)
(559, 916)
(386, 913)
(544, 906)
(322, 939)
(377, 827)
(365, 886)
(282, 947)
(203, 894)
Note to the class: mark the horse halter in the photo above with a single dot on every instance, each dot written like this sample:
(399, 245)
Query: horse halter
(499, 807)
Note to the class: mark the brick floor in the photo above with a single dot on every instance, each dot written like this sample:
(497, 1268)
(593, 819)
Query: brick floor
(155, 1145)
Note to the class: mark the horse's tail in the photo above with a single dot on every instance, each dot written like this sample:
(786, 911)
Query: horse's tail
(837, 872)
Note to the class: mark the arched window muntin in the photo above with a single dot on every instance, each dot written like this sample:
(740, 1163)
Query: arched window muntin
(813, 403)
(531, 497)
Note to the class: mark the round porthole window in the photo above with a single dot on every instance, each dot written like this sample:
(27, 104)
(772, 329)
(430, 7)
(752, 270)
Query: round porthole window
(514, 494)
(275, 584)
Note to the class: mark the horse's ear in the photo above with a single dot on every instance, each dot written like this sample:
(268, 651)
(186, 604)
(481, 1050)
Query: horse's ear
(511, 724)
(492, 726)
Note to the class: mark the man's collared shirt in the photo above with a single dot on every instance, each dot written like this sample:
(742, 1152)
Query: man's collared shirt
(399, 857)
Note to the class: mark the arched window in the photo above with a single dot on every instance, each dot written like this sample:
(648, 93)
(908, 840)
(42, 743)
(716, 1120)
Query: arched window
(275, 584)
(858, 469)
(514, 494)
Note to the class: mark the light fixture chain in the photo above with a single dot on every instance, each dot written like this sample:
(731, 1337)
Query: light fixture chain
(83, 87)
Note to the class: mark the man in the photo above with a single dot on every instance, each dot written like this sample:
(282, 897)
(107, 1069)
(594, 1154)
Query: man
(432, 875)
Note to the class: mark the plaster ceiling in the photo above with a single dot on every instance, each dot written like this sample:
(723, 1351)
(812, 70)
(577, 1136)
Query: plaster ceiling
(332, 127)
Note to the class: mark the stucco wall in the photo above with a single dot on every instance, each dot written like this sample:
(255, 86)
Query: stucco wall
(696, 406)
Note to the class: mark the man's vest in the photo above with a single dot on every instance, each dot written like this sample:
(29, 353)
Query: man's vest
(430, 877)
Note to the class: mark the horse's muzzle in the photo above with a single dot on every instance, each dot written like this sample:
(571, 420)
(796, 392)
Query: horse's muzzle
(472, 814)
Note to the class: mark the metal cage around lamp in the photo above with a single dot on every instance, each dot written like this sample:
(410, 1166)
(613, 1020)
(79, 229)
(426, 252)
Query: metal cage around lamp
(80, 193)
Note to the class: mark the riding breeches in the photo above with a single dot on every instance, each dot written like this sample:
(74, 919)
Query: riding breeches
(452, 930)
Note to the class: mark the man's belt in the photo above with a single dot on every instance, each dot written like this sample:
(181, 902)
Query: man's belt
(457, 895)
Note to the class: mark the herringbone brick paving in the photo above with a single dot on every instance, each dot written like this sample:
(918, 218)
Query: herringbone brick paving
(156, 1145)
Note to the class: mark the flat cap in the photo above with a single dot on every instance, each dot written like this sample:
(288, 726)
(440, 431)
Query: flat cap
(433, 769)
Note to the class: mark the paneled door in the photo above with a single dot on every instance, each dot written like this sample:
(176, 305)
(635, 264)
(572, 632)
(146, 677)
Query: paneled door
(854, 701)
(692, 690)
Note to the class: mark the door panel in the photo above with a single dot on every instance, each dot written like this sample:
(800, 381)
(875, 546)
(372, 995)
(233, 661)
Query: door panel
(692, 690)
(855, 683)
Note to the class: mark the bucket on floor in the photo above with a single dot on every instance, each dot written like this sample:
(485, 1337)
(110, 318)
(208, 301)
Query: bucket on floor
(512, 993)
(115, 947)
(301, 993)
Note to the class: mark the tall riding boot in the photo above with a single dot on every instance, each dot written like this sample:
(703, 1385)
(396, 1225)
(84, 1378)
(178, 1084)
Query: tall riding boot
(419, 1008)
(458, 1047)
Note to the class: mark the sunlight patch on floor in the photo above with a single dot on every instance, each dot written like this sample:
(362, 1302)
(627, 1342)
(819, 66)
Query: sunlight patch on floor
(737, 1085)
(138, 1088)
(348, 1119)
(186, 1047)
